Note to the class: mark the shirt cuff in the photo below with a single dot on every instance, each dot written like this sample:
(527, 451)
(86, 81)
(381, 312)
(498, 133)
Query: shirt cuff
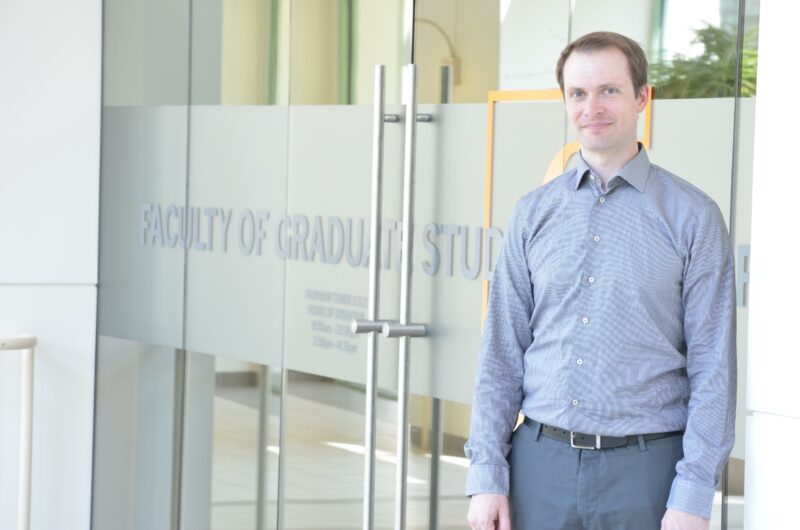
(487, 478)
(691, 497)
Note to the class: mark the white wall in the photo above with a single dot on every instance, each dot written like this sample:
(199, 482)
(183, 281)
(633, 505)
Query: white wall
(49, 176)
(533, 33)
(773, 364)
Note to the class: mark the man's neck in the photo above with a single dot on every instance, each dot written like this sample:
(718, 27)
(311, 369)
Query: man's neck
(607, 165)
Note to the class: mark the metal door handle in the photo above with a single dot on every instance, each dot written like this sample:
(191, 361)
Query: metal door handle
(394, 118)
(359, 325)
(388, 328)
(372, 324)
(395, 329)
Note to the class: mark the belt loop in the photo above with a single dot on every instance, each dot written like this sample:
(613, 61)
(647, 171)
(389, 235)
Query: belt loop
(642, 446)
(537, 431)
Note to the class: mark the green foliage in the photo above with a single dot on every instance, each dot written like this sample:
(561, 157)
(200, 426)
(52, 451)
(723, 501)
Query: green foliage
(711, 74)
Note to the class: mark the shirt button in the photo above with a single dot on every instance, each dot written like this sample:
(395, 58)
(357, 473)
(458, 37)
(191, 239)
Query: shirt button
(579, 361)
(575, 402)
(591, 177)
(585, 320)
(591, 279)
(596, 238)
(602, 199)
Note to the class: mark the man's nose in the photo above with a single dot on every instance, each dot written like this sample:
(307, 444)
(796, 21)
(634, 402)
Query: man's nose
(593, 105)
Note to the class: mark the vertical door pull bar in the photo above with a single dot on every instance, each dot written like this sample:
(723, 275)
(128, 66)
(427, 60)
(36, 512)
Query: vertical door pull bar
(372, 325)
(404, 329)
(445, 90)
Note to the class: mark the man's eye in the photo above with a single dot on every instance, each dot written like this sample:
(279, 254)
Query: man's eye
(576, 93)
(611, 90)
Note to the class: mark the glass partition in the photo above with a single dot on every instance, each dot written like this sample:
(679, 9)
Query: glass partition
(233, 325)
(143, 241)
(136, 439)
(231, 444)
(234, 245)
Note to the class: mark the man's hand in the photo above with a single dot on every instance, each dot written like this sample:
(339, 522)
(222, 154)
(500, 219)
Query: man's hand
(489, 511)
(678, 520)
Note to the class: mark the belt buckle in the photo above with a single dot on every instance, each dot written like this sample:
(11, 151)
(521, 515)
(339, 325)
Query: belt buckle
(590, 447)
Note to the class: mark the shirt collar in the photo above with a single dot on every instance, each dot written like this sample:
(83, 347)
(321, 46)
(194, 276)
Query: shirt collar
(635, 172)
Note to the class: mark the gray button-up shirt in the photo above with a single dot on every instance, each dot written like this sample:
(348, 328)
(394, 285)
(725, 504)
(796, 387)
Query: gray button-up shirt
(612, 313)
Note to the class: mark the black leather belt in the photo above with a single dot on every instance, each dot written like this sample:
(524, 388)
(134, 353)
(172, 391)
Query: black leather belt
(580, 440)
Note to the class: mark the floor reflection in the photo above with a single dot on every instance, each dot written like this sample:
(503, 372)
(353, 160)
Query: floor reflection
(324, 464)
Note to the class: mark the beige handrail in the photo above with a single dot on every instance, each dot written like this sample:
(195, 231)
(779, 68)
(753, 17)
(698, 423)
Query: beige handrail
(26, 345)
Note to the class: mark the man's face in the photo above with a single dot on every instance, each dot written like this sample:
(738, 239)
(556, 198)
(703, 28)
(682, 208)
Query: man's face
(602, 105)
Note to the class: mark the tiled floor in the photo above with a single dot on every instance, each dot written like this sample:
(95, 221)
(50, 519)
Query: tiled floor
(324, 465)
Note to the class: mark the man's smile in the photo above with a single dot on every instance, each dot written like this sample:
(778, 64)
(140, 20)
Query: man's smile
(596, 126)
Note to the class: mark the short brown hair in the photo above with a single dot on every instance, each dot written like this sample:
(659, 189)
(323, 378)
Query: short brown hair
(601, 40)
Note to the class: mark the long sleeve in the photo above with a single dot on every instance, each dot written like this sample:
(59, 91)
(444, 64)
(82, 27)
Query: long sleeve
(498, 389)
(710, 332)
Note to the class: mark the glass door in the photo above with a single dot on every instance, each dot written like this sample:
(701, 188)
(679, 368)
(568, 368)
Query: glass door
(498, 131)
(475, 158)
(338, 422)
(241, 141)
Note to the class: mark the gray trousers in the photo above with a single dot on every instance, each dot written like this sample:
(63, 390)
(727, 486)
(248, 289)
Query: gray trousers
(556, 487)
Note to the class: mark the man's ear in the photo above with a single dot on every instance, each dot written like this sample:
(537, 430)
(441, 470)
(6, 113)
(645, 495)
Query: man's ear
(643, 97)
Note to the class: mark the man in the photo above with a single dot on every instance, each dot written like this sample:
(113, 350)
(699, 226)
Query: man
(611, 326)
